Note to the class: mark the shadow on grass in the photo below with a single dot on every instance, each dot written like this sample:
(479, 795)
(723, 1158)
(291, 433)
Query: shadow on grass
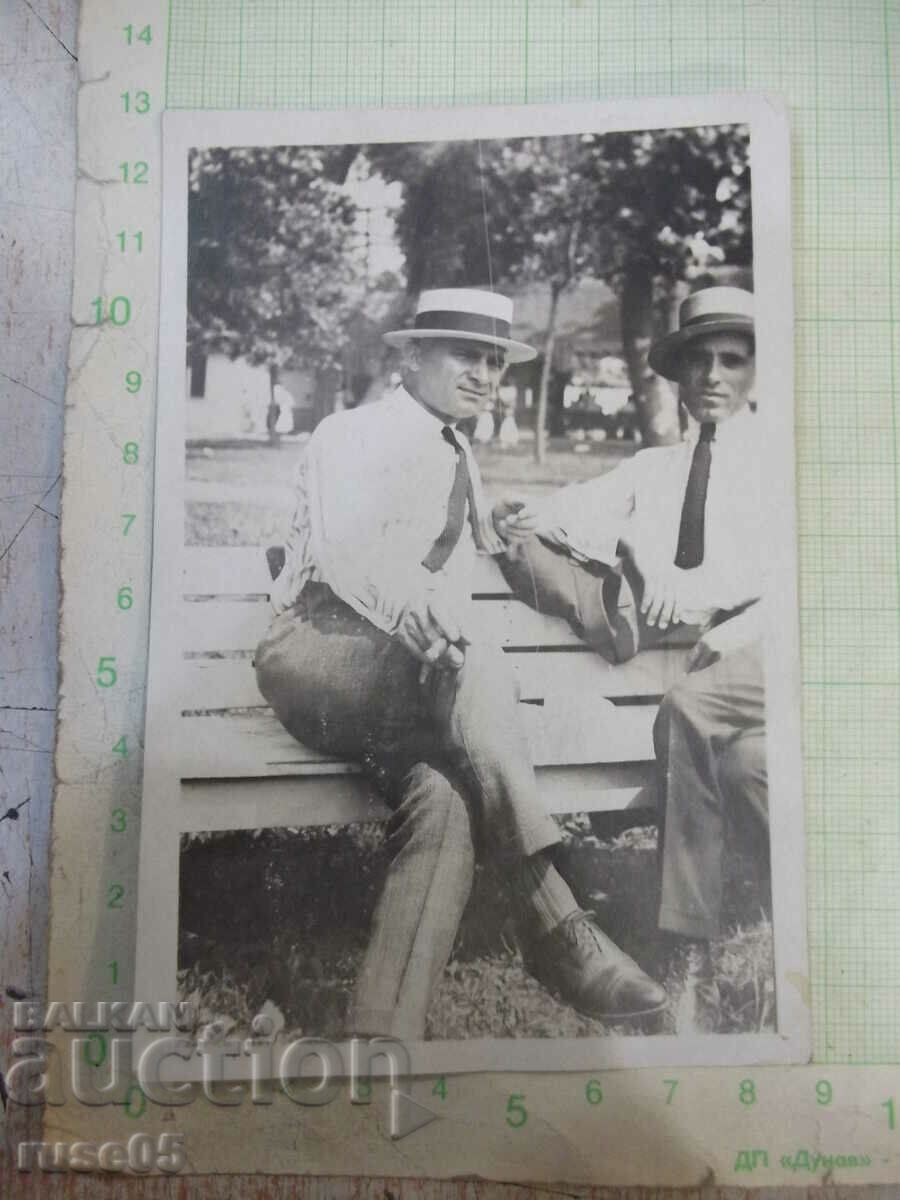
(280, 917)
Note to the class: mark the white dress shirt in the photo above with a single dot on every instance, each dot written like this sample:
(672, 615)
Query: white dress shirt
(372, 492)
(641, 501)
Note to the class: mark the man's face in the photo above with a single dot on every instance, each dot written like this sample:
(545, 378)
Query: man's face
(716, 374)
(456, 378)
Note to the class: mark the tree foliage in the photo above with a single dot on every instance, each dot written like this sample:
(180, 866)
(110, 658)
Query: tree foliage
(276, 272)
(273, 274)
(641, 211)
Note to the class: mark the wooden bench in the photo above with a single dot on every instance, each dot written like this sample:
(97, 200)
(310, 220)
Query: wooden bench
(590, 722)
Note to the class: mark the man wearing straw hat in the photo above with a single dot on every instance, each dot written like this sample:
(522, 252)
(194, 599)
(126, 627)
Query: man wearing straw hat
(681, 525)
(371, 658)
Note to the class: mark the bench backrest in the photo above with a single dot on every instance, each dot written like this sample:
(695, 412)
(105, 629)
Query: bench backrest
(580, 709)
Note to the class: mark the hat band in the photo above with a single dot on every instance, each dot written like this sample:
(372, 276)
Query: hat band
(709, 318)
(462, 322)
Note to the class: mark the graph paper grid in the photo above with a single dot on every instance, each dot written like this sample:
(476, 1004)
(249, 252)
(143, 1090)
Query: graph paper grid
(836, 62)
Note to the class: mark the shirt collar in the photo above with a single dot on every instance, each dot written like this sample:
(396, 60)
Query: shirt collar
(736, 431)
(417, 414)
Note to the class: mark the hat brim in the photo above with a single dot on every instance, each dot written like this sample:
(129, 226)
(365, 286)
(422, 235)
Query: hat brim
(664, 356)
(516, 352)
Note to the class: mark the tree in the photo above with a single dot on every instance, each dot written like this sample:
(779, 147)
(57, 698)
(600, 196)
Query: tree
(681, 203)
(273, 272)
(637, 210)
(496, 213)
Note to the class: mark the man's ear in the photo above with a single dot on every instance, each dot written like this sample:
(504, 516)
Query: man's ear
(411, 358)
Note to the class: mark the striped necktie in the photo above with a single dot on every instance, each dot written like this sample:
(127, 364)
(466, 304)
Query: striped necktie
(460, 496)
(693, 512)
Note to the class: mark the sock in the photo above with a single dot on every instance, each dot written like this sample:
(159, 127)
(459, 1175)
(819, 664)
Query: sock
(545, 890)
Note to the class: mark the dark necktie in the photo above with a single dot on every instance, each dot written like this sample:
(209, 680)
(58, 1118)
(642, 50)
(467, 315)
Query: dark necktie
(693, 512)
(456, 508)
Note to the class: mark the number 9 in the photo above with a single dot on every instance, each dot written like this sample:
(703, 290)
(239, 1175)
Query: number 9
(133, 381)
(824, 1092)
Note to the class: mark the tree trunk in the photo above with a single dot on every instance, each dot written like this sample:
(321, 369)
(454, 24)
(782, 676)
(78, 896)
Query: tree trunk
(656, 400)
(540, 420)
(273, 411)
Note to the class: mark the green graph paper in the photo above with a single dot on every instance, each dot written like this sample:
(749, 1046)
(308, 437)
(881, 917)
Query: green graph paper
(836, 62)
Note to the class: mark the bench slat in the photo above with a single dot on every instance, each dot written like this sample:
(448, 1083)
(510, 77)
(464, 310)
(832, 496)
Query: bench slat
(220, 625)
(218, 684)
(242, 570)
(238, 746)
(273, 803)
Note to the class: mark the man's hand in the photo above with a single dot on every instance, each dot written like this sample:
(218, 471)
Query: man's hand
(514, 521)
(432, 634)
(660, 600)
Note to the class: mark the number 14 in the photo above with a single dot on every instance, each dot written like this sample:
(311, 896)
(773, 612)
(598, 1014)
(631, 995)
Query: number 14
(144, 36)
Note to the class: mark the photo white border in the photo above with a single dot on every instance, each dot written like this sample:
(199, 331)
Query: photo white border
(157, 932)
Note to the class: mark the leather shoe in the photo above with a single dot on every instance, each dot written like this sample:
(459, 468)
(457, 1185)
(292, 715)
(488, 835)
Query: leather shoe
(588, 971)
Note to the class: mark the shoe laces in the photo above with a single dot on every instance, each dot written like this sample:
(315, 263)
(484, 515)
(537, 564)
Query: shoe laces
(579, 926)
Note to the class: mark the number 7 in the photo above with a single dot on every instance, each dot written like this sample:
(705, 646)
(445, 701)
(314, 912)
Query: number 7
(129, 521)
(671, 1084)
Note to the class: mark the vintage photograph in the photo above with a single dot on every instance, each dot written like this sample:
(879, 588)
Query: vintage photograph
(473, 709)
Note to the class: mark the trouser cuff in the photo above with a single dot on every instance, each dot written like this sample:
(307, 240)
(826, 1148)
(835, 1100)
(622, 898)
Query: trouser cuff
(671, 920)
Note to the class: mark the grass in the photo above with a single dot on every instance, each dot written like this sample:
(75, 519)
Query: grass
(294, 940)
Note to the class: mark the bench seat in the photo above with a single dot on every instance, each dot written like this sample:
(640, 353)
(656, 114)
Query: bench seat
(589, 722)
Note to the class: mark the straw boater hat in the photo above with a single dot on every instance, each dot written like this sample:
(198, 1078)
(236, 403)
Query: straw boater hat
(711, 310)
(465, 313)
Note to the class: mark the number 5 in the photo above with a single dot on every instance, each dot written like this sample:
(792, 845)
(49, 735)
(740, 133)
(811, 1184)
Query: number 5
(170, 1155)
(106, 672)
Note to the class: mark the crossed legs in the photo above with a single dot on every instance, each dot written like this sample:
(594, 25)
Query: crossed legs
(451, 759)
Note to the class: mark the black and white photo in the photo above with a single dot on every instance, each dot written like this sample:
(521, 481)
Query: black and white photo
(473, 705)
